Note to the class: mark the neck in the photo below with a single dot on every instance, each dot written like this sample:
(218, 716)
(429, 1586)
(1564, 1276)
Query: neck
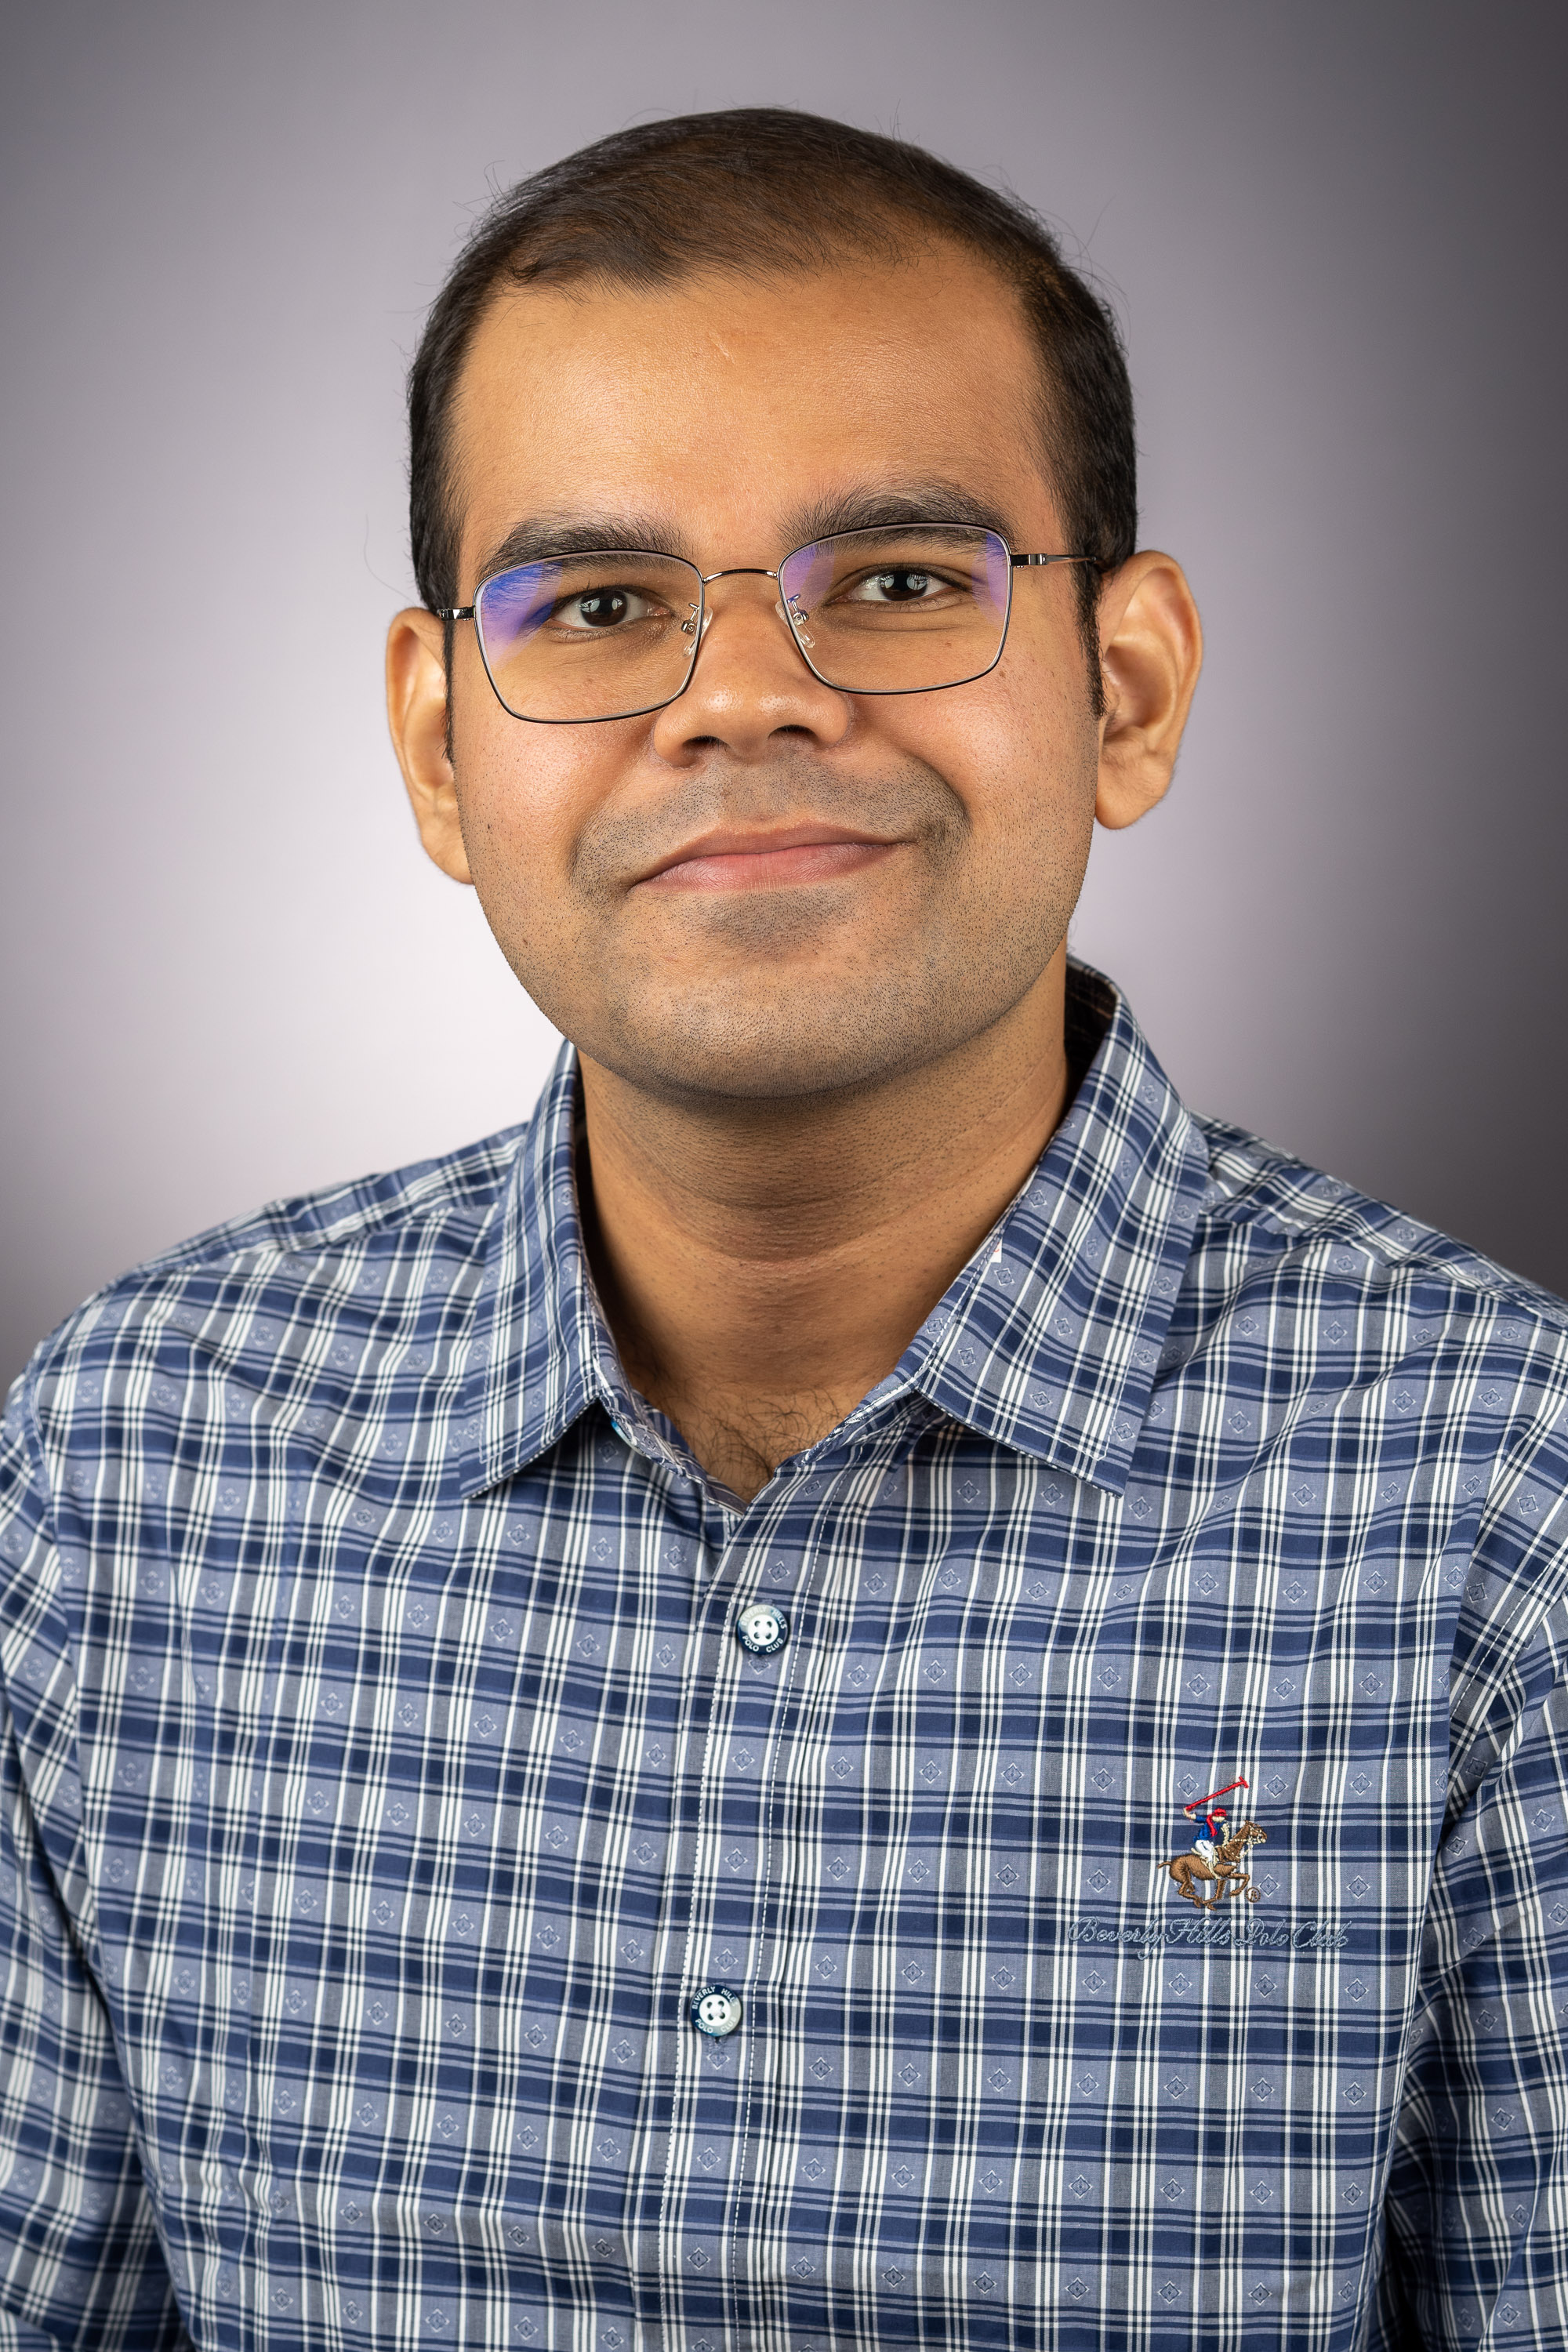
(763, 1264)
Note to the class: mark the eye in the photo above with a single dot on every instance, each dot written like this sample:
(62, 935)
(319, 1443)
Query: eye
(900, 584)
(607, 608)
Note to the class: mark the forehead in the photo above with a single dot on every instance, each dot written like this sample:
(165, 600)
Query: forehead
(731, 402)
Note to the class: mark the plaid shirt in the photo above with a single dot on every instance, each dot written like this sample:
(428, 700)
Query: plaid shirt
(383, 1782)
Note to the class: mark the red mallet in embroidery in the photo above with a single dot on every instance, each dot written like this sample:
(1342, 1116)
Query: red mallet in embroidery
(1199, 1803)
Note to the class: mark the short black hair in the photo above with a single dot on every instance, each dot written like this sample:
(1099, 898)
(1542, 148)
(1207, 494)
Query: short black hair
(757, 190)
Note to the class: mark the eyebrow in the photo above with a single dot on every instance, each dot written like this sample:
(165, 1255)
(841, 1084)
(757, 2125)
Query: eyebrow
(580, 534)
(868, 506)
(878, 508)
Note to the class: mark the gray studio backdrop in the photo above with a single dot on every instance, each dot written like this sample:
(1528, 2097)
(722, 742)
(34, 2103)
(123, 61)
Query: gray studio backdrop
(1335, 237)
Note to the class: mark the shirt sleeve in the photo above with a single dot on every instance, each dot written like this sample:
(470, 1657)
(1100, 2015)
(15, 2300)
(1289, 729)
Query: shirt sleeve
(1477, 2199)
(80, 2261)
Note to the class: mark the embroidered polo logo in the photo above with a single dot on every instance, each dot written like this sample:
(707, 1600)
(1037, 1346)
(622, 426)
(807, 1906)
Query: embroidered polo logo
(1218, 1852)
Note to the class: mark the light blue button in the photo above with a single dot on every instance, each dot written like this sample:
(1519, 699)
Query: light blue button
(716, 2012)
(762, 1628)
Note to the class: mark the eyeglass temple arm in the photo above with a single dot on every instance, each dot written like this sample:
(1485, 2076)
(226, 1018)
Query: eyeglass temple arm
(1019, 560)
(454, 612)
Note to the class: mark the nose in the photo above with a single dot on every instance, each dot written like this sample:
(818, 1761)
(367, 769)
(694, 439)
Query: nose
(750, 683)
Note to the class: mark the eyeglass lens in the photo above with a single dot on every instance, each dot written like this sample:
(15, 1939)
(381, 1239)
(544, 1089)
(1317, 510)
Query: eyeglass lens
(610, 633)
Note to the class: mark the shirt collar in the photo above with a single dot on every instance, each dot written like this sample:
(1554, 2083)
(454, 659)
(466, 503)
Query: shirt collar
(541, 1351)
(1047, 1341)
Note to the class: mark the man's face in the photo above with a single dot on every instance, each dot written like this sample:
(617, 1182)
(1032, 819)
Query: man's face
(769, 887)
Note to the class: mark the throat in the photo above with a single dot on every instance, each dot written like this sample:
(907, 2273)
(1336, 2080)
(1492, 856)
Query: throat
(741, 1442)
(762, 1267)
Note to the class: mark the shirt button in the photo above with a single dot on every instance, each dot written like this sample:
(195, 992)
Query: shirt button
(716, 2012)
(761, 1627)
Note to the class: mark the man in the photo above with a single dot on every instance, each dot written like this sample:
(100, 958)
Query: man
(591, 1725)
(1211, 1832)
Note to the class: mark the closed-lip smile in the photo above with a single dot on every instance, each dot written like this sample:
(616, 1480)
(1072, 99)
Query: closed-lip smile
(764, 858)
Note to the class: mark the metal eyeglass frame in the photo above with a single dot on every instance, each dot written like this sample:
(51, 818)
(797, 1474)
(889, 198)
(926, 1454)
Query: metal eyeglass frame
(699, 625)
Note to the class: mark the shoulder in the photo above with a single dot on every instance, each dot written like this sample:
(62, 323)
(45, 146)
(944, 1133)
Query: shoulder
(370, 1210)
(1271, 1228)
(294, 1265)
(1405, 1372)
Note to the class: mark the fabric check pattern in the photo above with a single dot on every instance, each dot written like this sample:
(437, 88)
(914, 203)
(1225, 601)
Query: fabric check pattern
(385, 1788)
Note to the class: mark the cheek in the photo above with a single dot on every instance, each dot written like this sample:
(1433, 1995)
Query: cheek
(1019, 750)
(523, 794)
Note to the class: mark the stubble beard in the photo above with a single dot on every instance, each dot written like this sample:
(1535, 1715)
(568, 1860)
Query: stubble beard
(782, 995)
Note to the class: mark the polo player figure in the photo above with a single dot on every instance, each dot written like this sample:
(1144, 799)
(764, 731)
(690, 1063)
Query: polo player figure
(1217, 1852)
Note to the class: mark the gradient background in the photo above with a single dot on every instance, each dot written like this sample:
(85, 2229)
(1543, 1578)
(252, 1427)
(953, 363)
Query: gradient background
(1335, 237)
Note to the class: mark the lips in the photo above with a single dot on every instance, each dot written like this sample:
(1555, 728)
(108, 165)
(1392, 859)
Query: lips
(761, 861)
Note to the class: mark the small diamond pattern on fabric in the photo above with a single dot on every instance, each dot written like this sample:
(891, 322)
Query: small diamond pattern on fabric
(385, 1781)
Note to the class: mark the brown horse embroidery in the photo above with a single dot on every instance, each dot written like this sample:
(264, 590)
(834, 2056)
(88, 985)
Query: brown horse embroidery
(1225, 1869)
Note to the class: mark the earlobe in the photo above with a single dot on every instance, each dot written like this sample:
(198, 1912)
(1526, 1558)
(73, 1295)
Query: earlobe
(1151, 652)
(417, 715)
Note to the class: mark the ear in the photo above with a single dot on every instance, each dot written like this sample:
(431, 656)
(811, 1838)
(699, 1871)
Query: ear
(417, 713)
(1150, 650)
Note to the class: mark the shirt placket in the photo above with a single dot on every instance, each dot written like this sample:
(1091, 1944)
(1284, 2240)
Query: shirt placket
(755, 1569)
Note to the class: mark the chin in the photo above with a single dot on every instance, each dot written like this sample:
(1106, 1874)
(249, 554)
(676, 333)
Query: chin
(780, 1051)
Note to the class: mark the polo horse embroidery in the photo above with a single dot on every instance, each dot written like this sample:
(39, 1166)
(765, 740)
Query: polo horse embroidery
(1217, 1852)
(1222, 1867)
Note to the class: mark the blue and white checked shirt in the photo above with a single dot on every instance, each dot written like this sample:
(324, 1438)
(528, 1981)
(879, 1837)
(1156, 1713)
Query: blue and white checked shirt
(382, 1779)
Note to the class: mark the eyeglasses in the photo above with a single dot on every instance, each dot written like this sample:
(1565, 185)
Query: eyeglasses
(615, 632)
